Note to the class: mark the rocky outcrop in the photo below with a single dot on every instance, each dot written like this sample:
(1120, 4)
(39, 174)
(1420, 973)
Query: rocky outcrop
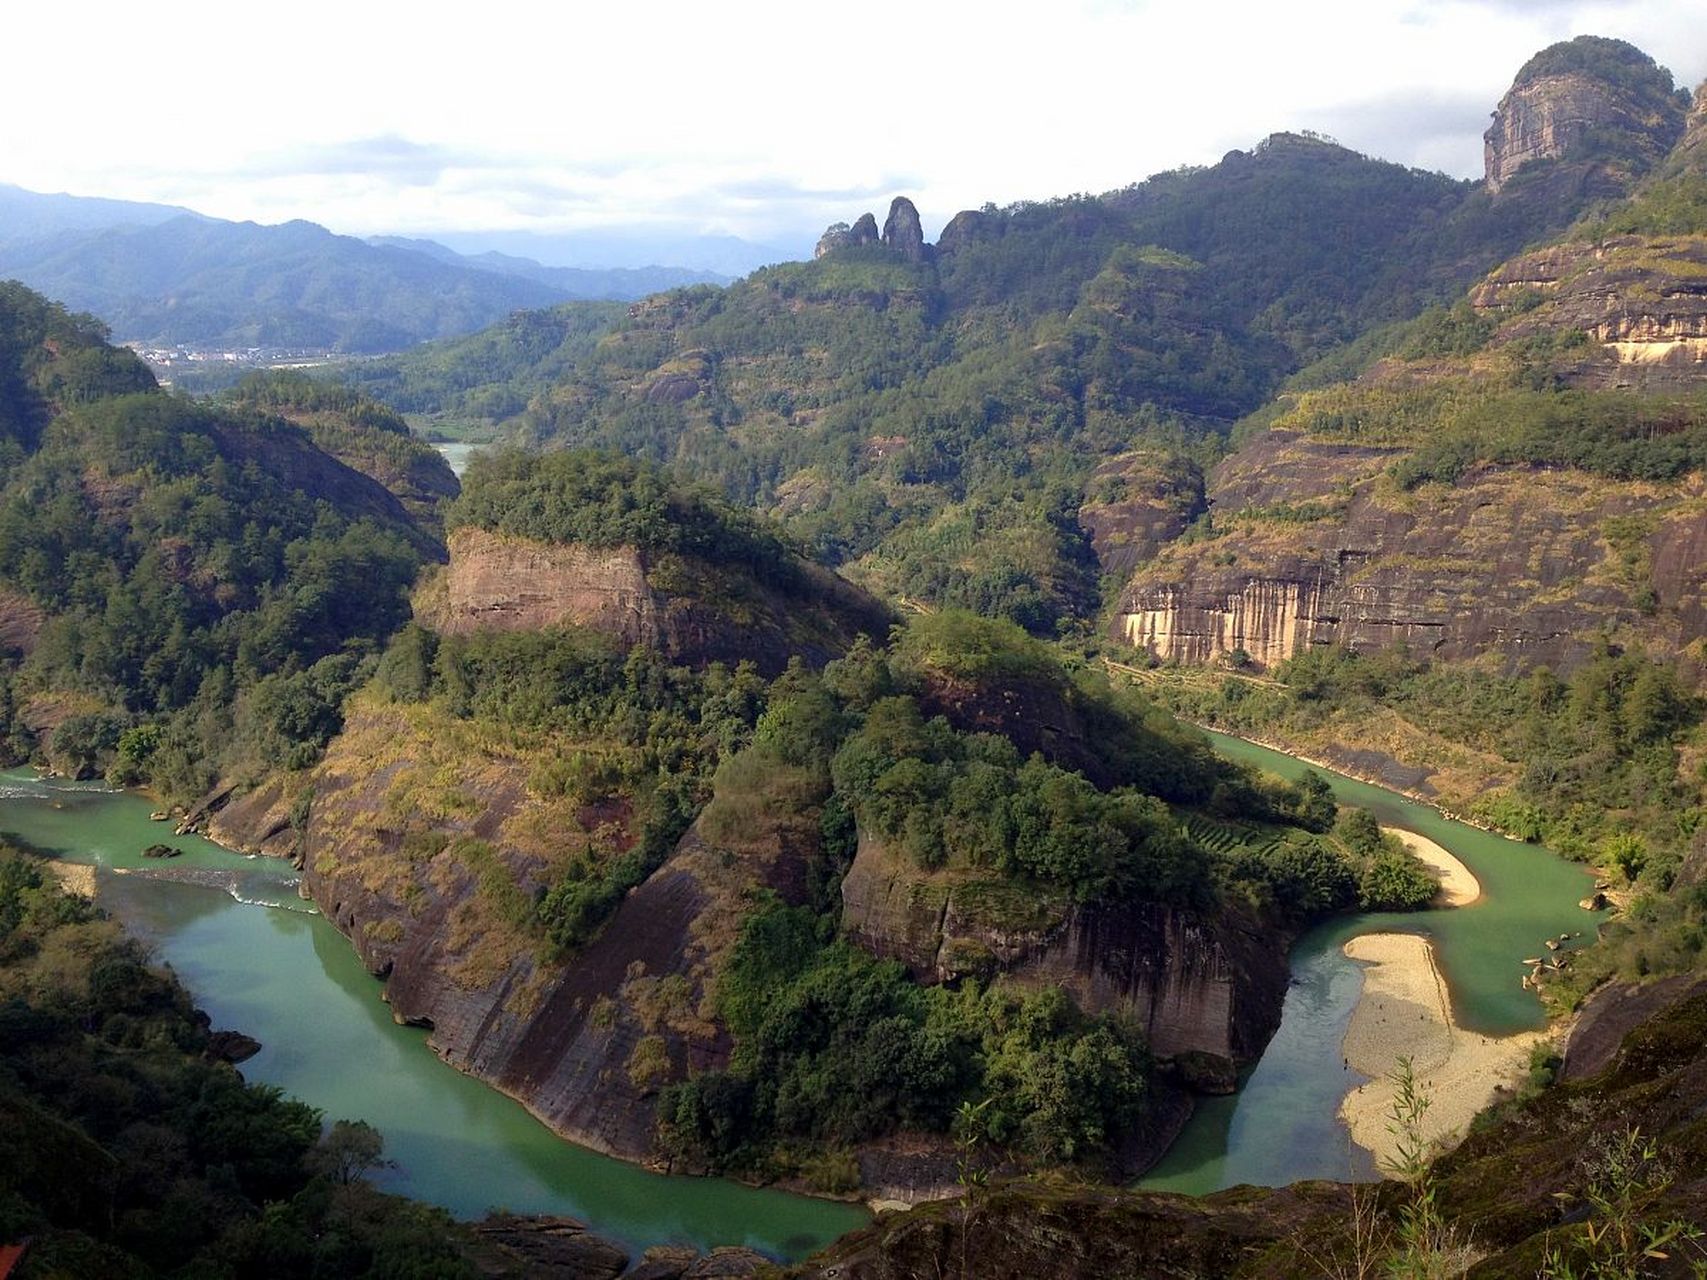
(413, 846)
(1135, 504)
(902, 232)
(21, 620)
(841, 236)
(1516, 562)
(1194, 983)
(1599, 100)
(1640, 304)
(689, 609)
(1690, 154)
(506, 1244)
(968, 227)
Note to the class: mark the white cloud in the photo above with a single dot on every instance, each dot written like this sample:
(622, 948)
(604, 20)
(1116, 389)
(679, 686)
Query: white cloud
(759, 117)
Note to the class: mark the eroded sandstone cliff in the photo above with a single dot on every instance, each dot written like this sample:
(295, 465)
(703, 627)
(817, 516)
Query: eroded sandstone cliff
(687, 608)
(1601, 102)
(419, 841)
(1194, 982)
(1320, 547)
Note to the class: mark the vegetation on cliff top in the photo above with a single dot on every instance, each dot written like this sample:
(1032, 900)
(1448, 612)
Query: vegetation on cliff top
(932, 426)
(604, 500)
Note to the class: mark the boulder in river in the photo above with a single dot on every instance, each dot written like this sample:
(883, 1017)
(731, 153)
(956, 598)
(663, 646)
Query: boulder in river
(549, 1248)
(232, 1046)
(161, 851)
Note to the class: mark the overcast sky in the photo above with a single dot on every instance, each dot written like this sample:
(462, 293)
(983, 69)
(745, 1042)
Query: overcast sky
(761, 118)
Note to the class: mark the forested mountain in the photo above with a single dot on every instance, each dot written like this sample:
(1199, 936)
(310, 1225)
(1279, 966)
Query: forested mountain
(200, 282)
(32, 215)
(168, 277)
(184, 586)
(590, 283)
(897, 404)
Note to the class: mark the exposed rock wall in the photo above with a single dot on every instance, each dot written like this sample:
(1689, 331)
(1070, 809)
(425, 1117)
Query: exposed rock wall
(1267, 619)
(1193, 982)
(499, 583)
(1512, 561)
(21, 620)
(691, 610)
(585, 1042)
(1601, 101)
(1137, 502)
(1541, 120)
(902, 232)
(1641, 303)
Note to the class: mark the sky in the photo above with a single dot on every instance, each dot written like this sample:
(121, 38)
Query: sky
(764, 119)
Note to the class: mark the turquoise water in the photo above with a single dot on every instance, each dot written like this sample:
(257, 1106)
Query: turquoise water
(262, 961)
(1284, 1124)
(457, 455)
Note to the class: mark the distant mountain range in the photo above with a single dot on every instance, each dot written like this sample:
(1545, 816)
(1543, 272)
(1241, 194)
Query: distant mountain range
(165, 276)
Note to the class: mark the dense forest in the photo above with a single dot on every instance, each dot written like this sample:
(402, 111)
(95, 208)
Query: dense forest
(130, 1148)
(192, 589)
(896, 414)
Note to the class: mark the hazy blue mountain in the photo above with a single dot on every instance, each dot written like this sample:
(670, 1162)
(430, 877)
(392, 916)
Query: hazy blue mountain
(33, 215)
(581, 283)
(623, 247)
(237, 284)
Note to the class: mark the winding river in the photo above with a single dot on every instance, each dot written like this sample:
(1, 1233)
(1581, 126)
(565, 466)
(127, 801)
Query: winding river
(262, 961)
(1284, 1123)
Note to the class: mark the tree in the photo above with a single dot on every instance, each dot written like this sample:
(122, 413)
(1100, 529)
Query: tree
(350, 1151)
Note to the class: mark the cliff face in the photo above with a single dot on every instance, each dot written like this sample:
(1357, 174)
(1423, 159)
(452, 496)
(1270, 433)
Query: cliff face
(404, 863)
(1641, 303)
(1601, 102)
(1525, 563)
(689, 609)
(1193, 982)
(1135, 503)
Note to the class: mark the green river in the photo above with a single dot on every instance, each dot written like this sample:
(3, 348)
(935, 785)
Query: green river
(1284, 1123)
(261, 960)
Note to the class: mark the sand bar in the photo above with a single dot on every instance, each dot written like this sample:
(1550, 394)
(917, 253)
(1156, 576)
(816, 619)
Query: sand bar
(1405, 1011)
(1458, 884)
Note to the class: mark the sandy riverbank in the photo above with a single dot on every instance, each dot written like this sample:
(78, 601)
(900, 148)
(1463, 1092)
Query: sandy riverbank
(1458, 884)
(1405, 1011)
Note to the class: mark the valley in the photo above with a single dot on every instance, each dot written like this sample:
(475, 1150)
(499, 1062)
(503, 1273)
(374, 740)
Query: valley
(1160, 733)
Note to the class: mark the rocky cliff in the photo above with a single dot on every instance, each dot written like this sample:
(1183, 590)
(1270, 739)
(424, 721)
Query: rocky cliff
(417, 842)
(902, 233)
(1316, 542)
(1601, 104)
(1195, 982)
(1639, 302)
(1321, 548)
(688, 608)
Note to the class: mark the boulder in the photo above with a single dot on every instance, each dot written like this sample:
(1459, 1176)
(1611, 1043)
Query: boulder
(543, 1248)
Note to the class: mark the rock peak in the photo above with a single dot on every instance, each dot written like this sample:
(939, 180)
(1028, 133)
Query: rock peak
(1602, 102)
(902, 232)
(838, 235)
